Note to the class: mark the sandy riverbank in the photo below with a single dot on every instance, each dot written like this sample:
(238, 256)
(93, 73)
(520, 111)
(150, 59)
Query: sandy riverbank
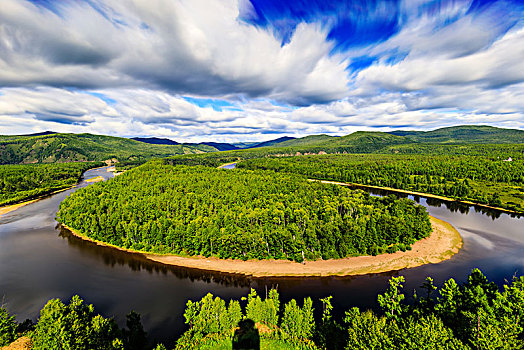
(9, 208)
(226, 164)
(442, 244)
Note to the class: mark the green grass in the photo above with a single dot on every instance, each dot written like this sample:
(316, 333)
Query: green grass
(269, 344)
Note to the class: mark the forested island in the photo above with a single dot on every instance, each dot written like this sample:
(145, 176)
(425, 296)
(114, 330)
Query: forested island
(473, 315)
(240, 214)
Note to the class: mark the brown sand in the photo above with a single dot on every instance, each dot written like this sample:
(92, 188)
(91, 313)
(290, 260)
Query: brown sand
(442, 244)
(226, 164)
(10, 208)
(22, 343)
(95, 179)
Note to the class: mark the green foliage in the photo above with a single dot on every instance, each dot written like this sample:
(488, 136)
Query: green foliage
(265, 344)
(74, 327)
(466, 134)
(21, 182)
(329, 334)
(298, 322)
(212, 324)
(486, 179)
(473, 315)
(239, 214)
(480, 315)
(263, 311)
(391, 300)
(209, 320)
(61, 148)
(368, 331)
(7, 327)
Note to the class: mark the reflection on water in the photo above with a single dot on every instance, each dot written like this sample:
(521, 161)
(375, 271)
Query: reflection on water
(138, 262)
(39, 261)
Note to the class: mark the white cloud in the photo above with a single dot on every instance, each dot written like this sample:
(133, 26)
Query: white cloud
(183, 46)
(122, 67)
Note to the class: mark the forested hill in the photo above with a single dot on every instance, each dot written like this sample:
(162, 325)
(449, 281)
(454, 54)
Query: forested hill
(465, 134)
(240, 214)
(358, 142)
(61, 148)
(367, 141)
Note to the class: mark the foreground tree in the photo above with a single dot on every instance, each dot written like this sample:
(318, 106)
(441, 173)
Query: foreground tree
(75, 326)
(7, 327)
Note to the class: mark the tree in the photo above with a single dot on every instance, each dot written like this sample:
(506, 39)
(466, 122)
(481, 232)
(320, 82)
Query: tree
(74, 327)
(7, 327)
(391, 300)
(298, 323)
(135, 338)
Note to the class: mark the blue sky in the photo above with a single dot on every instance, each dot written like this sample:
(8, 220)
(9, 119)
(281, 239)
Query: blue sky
(239, 70)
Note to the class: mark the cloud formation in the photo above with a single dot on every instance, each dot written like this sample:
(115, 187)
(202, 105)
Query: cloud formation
(231, 70)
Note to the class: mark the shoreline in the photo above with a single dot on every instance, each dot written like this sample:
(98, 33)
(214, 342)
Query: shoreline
(420, 194)
(443, 242)
(226, 164)
(12, 207)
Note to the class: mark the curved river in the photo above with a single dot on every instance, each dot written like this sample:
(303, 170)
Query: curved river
(38, 263)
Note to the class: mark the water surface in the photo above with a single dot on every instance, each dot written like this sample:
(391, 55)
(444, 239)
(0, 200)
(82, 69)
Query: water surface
(39, 262)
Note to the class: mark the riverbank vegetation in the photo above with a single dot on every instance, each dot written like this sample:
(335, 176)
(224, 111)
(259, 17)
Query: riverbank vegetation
(24, 182)
(491, 180)
(240, 214)
(473, 315)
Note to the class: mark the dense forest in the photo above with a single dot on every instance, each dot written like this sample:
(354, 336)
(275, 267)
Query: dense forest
(486, 180)
(473, 315)
(21, 182)
(63, 148)
(240, 214)
(483, 134)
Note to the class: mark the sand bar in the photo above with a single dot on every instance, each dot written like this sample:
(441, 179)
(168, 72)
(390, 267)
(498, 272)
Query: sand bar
(442, 244)
(9, 208)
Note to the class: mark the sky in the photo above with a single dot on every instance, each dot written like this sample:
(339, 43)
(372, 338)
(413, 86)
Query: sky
(254, 70)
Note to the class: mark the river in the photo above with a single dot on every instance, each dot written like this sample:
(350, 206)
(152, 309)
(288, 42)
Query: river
(38, 263)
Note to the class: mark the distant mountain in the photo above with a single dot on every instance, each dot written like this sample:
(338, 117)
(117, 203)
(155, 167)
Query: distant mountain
(43, 133)
(155, 140)
(367, 141)
(305, 141)
(60, 148)
(271, 142)
(244, 144)
(220, 146)
(465, 134)
(360, 141)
